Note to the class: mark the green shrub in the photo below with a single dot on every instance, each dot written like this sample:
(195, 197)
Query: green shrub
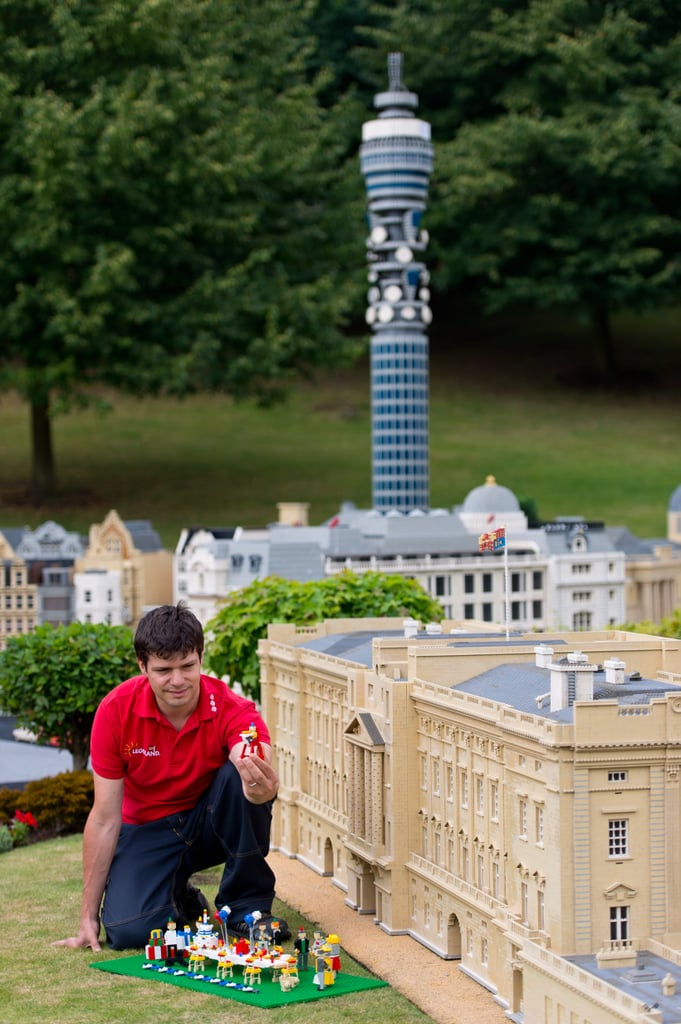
(5, 839)
(54, 677)
(10, 800)
(61, 803)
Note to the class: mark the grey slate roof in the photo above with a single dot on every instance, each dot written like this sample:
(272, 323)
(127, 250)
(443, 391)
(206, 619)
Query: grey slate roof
(675, 500)
(644, 981)
(300, 562)
(624, 540)
(349, 646)
(144, 536)
(13, 535)
(520, 686)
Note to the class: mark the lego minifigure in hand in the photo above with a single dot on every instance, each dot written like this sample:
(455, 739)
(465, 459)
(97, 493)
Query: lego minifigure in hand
(251, 743)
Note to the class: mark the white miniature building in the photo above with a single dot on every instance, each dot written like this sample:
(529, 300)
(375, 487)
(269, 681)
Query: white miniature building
(564, 574)
(98, 596)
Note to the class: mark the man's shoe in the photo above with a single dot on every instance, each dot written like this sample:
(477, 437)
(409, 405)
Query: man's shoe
(191, 904)
(276, 929)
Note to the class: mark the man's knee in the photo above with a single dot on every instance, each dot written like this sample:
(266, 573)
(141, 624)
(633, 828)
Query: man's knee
(134, 932)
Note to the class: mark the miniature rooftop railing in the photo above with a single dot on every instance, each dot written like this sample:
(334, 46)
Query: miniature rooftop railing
(580, 979)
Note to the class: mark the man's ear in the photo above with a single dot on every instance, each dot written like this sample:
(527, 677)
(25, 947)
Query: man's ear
(143, 667)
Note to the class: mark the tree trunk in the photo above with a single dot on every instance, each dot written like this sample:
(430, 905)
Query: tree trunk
(600, 318)
(79, 745)
(43, 478)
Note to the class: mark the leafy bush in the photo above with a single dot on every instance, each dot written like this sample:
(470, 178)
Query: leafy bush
(232, 635)
(10, 799)
(53, 679)
(6, 843)
(60, 803)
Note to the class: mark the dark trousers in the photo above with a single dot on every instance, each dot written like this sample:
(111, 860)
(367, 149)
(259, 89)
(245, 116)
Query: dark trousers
(153, 862)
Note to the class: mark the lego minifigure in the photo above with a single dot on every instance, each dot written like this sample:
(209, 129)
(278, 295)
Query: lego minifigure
(301, 945)
(251, 743)
(333, 942)
(323, 974)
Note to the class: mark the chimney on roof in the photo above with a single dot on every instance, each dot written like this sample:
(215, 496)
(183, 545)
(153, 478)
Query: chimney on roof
(293, 513)
(572, 679)
(411, 627)
(543, 655)
(614, 671)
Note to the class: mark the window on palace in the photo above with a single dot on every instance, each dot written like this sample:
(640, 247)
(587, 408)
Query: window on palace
(618, 837)
(539, 825)
(479, 795)
(518, 610)
(619, 924)
(517, 582)
(522, 819)
(524, 902)
(494, 800)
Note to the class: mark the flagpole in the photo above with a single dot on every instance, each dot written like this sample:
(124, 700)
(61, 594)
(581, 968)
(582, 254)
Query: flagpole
(506, 587)
(492, 542)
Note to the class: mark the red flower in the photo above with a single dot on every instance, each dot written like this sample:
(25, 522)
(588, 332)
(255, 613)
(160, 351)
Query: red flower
(25, 817)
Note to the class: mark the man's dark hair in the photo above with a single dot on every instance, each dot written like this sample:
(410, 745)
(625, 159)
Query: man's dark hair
(167, 630)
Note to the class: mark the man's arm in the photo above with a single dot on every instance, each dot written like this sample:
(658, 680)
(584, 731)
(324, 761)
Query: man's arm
(259, 780)
(100, 837)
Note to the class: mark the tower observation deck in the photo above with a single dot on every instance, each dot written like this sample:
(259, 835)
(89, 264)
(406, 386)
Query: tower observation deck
(396, 159)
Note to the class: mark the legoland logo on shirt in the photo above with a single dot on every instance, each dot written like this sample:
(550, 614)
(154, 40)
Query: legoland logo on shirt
(129, 750)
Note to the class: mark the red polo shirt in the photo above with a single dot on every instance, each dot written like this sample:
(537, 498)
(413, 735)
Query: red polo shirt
(166, 771)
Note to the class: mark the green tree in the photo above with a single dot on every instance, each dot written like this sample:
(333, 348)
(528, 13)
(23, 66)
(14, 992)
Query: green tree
(176, 211)
(558, 129)
(670, 626)
(53, 679)
(233, 634)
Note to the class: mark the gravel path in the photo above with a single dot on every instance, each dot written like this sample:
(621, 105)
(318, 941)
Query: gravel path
(436, 986)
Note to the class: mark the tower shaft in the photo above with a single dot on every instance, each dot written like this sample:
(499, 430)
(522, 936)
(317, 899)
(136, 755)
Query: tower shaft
(396, 159)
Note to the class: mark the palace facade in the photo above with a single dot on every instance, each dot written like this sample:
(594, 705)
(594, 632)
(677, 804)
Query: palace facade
(512, 805)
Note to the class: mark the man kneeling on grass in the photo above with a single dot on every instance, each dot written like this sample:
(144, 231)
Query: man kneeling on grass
(177, 790)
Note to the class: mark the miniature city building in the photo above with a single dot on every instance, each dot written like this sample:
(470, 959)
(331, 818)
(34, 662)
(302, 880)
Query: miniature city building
(140, 568)
(511, 805)
(37, 579)
(565, 573)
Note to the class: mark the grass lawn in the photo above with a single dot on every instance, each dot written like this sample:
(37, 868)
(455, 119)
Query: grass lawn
(40, 896)
(519, 401)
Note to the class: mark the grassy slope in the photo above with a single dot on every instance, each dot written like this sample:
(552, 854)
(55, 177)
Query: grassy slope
(503, 401)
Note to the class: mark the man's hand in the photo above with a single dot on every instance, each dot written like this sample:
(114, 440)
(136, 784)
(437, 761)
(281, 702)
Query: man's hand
(259, 780)
(87, 938)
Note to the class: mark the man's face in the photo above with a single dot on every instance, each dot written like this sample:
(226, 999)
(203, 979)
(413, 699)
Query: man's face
(176, 682)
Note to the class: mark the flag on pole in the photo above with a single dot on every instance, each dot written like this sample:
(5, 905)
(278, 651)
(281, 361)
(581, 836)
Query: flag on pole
(494, 541)
(498, 538)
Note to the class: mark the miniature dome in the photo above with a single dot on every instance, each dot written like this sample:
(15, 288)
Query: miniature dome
(490, 498)
(675, 500)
